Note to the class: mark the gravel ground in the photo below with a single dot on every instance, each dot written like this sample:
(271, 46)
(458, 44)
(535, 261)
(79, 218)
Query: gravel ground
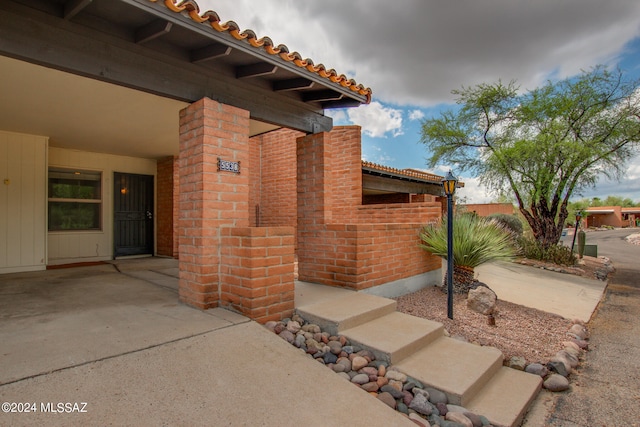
(518, 331)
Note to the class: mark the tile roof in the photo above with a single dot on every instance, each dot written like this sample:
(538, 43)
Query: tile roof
(408, 173)
(211, 18)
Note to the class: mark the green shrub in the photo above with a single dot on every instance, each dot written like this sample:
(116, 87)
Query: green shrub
(557, 254)
(510, 222)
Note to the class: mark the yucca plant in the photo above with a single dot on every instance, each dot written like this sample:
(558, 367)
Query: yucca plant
(476, 240)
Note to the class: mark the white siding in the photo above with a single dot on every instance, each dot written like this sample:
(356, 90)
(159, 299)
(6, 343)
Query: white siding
(23, 202)
(83, 246)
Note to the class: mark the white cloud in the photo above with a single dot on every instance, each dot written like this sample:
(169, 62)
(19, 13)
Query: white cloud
(416, 115)
(377, 120)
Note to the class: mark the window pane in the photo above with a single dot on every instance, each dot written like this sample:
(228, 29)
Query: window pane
(74, 216)
(68, 184)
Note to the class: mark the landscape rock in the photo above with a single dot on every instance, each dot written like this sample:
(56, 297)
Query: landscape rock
(556, 382)
(482, 300)
(558, 368)
(387, 399)
(397, 394)
(287, 336)
(579, 331)
(421, 405)
(396, 375)
(436, 396)
(458, 417)
(517, 362)
(293, 326)
(418, 420)
(537, 369)
(475, 419)
(358, 363)
(370, 387)
(360, 379)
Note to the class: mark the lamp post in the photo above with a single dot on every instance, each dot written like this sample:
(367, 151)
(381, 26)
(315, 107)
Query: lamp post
(575, 232)
(449, 184)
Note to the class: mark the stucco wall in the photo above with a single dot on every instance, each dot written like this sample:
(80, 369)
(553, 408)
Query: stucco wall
(83, 246)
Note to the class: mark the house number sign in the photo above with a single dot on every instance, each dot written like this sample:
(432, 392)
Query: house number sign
(228, 166)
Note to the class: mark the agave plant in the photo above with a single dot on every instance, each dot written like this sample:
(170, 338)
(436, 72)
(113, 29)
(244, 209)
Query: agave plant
(476, 240)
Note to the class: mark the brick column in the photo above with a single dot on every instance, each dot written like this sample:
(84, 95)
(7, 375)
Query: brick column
(209, 199)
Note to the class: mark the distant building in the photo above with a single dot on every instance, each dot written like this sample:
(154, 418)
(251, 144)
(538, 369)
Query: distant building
(486, 209)
(614, 216)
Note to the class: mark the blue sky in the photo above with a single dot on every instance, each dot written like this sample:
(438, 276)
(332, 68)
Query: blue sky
(412, 53)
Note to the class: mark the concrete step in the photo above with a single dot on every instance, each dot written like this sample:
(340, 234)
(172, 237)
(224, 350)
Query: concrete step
(506, 398)
(347, 311)
(395, 336)
(457, 368)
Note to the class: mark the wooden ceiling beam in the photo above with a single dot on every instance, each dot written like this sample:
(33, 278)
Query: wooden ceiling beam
(292, 84)
(72, 8)
(255, 70)
(152, 30)
(207, 53)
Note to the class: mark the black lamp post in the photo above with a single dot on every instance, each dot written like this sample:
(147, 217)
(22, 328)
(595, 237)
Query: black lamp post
(575, 232)
(449, 184)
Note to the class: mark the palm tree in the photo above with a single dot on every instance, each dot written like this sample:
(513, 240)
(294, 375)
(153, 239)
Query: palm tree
(476, 240)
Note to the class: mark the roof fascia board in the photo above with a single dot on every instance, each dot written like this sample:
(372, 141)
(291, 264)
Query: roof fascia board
(159, 9)
(33, 36)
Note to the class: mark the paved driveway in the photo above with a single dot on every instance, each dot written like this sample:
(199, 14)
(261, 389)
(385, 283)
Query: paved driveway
(115, 343)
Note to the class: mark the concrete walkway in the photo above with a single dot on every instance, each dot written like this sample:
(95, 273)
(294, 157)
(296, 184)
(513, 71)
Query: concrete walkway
(570, 296)
(128, 349)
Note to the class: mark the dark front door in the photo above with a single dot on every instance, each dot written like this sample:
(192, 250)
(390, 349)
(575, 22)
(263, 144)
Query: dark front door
(133, 211)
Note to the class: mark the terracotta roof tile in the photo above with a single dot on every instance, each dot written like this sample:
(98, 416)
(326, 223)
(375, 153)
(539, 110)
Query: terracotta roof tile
(212, 18)
(409, 173)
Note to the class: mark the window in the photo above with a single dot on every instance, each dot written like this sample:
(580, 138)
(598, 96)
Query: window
(75, 200)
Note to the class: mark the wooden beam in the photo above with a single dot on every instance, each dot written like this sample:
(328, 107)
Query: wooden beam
(342, 103)
(321, 96)
(390, 185)
(255, 70)
(72, 8)
(152, 30)
(292, 84)
(66, 46)
(210, 52)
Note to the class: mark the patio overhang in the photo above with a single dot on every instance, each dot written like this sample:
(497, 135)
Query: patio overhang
(162, 55)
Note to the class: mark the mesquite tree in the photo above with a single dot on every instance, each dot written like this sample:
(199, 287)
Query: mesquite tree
(544, 145)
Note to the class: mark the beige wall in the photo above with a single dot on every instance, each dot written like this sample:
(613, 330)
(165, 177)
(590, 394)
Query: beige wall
(23, 227)
(85, 246)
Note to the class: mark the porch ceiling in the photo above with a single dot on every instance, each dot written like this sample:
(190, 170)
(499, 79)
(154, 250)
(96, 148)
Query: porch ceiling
(86, 114)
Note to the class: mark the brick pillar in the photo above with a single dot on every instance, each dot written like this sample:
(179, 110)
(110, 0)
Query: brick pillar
(209, 199)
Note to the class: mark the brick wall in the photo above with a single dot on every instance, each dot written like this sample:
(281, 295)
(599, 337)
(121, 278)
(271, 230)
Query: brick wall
(486, 209)
(278, 202)
(342, 242)
(256, 271)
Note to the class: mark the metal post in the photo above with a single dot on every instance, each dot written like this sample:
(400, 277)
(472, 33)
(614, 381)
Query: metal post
(578, 218)
(450, 256)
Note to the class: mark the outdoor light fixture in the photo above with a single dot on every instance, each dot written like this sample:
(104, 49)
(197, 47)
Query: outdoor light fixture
(449, 184)
(575, 232)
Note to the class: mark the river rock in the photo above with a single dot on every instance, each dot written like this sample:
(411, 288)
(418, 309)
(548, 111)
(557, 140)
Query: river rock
(287, 335)
(458, 417)
(396, 375)
(418, 420)
(370, 387)
(537, 369)
(293, 326)
(358, 363)
(579, 331)
(436, 396)
(397, 394)
(556, 382)
(558, 368)
(421, 405)
(387, 399)
(475, 419)
(335, 347)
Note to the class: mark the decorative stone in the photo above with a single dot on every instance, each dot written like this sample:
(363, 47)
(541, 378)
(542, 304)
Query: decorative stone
(517, 362)
(382, 381)
(419, 391)
(556, 382)
(397, 394)
(360, 379)
(579, 331)
(456, 408)
(482, 300)
(560, 358)
(358, 363)
(418, 420)
(344, 362)
(475, 419)
(271, 325)
(583, 344)
(408, 397)
(537, 369)
(344, 375)
(338, 368)
(279, 327)
(287, 336)
(401, 407)
(573, 360)
(396, 375)
(335, 347)
(382, 370)
(558, 368)
(293, 326)
(458, 417)
(370, 386)
(329, 358)
(442, 408)
(436, 396)
(396, 384)
(421, 405)
(387, 399)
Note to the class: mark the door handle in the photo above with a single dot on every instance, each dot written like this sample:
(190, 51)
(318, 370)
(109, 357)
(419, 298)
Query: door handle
(149, 214)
